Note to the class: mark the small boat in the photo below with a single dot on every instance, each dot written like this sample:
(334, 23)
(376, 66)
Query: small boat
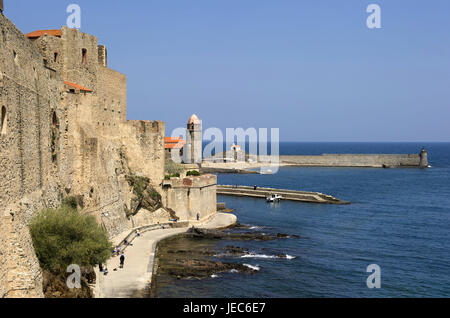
(274, 198)
(266, 171)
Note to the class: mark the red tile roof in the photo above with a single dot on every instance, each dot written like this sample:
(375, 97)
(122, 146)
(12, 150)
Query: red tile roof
(174, 143)
(172, 139)
(39, 33)
(81, 88)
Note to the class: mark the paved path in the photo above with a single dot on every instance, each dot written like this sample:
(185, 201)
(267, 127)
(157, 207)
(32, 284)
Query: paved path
(139, 259)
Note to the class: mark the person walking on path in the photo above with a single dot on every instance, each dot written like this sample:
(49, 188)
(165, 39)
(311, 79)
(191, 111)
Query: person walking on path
(122, 259)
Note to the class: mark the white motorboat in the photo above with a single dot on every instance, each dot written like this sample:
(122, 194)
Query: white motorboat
(274, 198)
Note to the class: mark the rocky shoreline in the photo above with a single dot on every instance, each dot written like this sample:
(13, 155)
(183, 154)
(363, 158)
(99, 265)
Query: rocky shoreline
(238, 236)
(194, 255)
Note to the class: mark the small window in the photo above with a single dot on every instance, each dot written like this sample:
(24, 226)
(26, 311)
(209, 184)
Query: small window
(16, 57)
(55, 57)
(84, 56)
(4, 121)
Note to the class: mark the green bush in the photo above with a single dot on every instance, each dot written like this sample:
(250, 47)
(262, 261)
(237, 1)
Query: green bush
(63, 237)
(70, 202)
(74, 202)
(155, 195)
(139, 184)
(175, 175)
(193, 173)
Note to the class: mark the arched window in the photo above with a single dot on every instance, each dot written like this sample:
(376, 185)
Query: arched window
(4, 121)
(55, 137)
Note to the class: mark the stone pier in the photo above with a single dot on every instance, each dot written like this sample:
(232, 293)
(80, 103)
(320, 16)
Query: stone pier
(290, 195)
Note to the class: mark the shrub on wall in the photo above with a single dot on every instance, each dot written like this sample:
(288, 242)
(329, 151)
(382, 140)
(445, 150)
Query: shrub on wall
(175, 175)
(63, 236)
(193, 173)
(139, 184)
(145, 196)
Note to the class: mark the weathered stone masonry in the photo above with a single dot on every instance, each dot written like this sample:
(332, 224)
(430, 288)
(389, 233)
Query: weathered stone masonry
(28, 94)
(191, 196)
(64, 132)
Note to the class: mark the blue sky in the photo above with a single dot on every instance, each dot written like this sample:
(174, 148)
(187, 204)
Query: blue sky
(311, 68)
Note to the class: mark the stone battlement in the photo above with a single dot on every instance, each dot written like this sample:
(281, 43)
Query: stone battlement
(192, 182)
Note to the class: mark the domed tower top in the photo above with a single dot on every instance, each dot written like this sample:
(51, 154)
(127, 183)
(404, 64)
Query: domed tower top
(194, 120)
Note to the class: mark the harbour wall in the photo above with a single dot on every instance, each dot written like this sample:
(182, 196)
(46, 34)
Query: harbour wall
(356, 160)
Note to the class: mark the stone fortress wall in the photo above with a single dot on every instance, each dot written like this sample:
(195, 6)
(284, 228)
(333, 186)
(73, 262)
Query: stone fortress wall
(29, 92)
(64, 133)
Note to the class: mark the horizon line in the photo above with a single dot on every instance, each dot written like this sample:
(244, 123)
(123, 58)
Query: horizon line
(324, 141)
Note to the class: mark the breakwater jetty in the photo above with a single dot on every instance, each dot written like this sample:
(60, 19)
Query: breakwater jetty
(290, 195)
(243, 163)
(359, 160)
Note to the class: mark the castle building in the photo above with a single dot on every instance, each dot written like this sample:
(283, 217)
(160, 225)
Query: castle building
(64, 132)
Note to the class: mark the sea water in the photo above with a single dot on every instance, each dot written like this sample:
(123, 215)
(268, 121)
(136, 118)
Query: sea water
(399, 219)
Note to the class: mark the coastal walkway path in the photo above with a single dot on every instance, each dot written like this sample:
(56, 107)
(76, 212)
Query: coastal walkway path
(291, 195)
(135, 278)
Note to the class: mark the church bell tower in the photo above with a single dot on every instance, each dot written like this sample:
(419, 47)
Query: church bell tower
(194, 140)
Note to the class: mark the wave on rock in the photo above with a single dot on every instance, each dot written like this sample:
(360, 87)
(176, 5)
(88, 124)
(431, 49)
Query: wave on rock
(268, 256)
(254, 267)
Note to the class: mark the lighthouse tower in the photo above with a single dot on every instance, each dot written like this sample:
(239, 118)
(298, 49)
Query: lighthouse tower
(424, 158)
(194, 140)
